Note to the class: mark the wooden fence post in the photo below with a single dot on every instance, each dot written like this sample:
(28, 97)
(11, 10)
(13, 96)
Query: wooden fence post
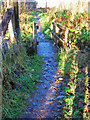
(11, 28)
(15, 20)
(57, 29)
(33, 32)
(52, 30)
(35, 38)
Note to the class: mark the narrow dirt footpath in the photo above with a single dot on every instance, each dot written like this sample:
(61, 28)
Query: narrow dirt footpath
(43, 103)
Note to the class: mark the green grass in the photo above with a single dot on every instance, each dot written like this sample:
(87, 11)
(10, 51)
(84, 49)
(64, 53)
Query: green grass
(21, 73)
(14, 100)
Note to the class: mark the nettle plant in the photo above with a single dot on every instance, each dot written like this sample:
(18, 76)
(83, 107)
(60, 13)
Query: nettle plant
(79, 38)
(71, 38)
(82, 40)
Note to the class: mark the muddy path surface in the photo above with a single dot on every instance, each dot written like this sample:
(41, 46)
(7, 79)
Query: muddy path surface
(44, 102)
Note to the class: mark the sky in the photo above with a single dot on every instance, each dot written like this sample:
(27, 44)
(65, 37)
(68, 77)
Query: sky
(50, 3)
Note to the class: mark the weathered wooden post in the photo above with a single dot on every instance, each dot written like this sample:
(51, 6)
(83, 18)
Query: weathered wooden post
(16, 19)
(35, 38)
(33, 32)
(35, 35)
(11, 28)
(57, 29)
(52, 30)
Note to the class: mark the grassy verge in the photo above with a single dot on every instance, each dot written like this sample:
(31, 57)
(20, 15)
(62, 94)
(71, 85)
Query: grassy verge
(16, 94)
(20, 73)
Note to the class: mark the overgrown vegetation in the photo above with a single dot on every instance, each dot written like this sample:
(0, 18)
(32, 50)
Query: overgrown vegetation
(73, 62)
(20, 71)
(20, 79)
(76, 82)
